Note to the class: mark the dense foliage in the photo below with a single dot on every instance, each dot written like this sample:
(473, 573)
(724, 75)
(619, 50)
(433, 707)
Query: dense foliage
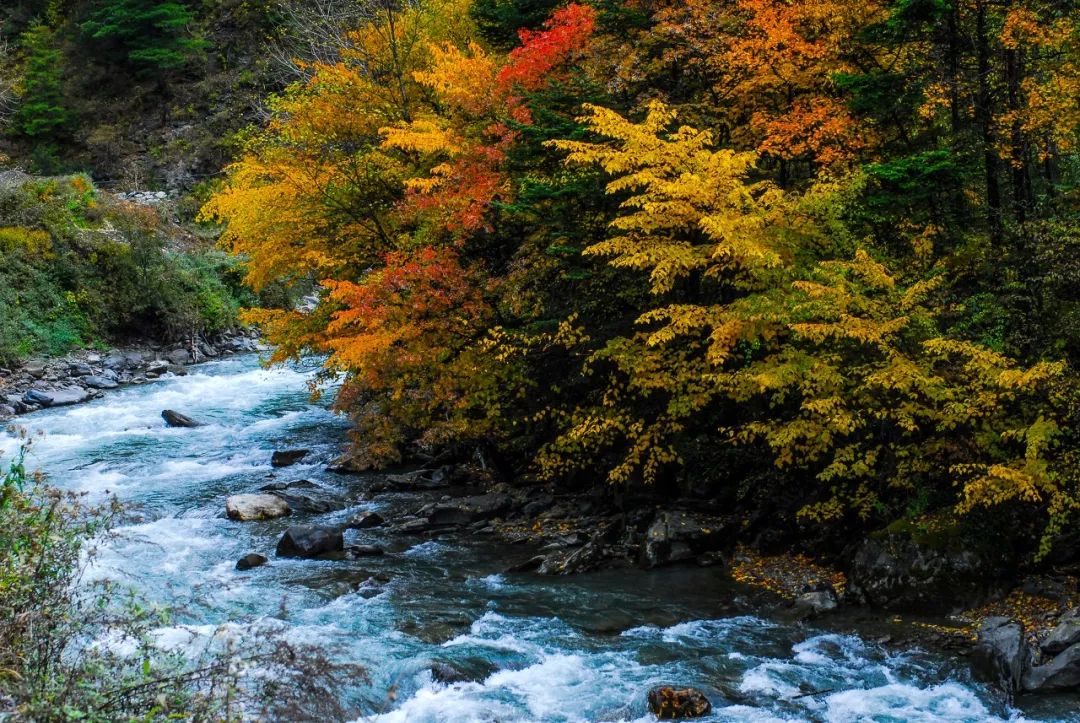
(77, 268)
(809, 258)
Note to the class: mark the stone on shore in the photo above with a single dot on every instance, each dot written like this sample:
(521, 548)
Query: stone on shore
(245, 508)
(676, 536)
(95, 381)
(176, 419)
(1000, 654)
(1060, 674)
(1064, 635)
(59, 397)
(309, 542)
(898, 571)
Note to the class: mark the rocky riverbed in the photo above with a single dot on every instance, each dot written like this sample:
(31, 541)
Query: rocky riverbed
(86, 374)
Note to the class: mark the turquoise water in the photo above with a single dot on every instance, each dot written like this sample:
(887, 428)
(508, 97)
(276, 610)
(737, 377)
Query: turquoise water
(584, 648)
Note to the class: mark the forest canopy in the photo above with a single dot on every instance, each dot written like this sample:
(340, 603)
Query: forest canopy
(815, 258)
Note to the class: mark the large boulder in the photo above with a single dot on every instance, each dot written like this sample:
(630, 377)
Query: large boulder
(308, 542)
(287, 457)
(1064, 635)
(1000, 654)
(670, 703)
(676, 536)
(59, 397)
(245, 508)
(927, 573)
(1060, 674)
(176, 419)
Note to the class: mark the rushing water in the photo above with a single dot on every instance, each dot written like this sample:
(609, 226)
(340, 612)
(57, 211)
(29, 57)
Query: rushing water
(584, 648)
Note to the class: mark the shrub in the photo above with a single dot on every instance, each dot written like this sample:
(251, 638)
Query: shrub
(71, 651)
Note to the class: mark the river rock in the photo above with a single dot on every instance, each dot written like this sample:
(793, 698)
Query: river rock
(896, 572)
(178, 357)
(176, 419)
(114, 361)
(308, 542)
(249, 561)
(1064, 635)
(300, 484)
(287, 457)
(58, 397)
(314, 501)
(466, 510)
(669, 703)
(364, 521)
(36, 369)
(245, 508)
(80, 369)
(1000, 653)
(1061, 673)
(157, 367)
(95, 381)
(676, 536)
(817, 602)
(366, 551)
(468, 671)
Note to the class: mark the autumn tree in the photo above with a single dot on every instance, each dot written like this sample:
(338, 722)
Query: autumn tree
(843, 360)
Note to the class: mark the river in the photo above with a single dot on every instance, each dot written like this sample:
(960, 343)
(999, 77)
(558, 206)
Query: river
(583, 648)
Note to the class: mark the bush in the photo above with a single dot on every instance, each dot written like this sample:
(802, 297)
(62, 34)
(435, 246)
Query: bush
(76, 268)
(71, 651)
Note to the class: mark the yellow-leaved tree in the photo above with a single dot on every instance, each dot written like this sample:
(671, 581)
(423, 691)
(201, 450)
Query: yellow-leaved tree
(771, 319)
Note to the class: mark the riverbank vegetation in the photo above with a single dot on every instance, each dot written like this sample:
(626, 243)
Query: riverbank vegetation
(76, 650)
(812, 260)
(80, 267)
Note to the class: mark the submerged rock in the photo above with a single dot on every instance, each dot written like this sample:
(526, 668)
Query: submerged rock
(255, 507)
(1000, 653)
(176, 419)
(366, 551)
(250, 560)
(364, 521)
(309, 541)
(669, 703)
(287, 457)
(472, 670)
